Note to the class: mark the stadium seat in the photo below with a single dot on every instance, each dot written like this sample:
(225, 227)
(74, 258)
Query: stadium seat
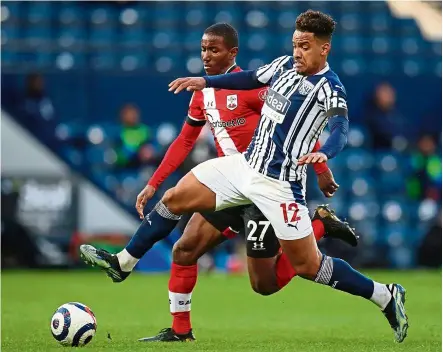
(39, 12)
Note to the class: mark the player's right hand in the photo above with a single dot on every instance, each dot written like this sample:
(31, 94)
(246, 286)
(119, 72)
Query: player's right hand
(190, 83)
(327, 184)
(143, 198)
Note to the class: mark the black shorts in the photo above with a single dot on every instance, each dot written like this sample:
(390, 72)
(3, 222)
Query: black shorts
(261, 241)
(249, 222)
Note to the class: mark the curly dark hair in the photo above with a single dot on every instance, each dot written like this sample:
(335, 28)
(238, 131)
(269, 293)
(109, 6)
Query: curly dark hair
(319, 23)
(226, 31)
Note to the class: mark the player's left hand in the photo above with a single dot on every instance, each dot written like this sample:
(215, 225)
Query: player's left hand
(190, 83)
(313, 158)
(142, 198)
(327, 184)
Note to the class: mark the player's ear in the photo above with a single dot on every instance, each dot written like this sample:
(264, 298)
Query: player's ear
(233, 52)
(325, 48)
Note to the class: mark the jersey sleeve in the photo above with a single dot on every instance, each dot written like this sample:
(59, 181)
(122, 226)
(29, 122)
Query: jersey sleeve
(196, 116)
(264, 73)
(176, 153)
(334, 98)
(256, 99)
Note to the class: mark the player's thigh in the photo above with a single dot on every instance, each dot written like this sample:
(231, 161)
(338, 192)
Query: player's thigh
(262, 275)
(189, 195)
(226, 218)
(199, 236)
(227, 177)
(183, 222)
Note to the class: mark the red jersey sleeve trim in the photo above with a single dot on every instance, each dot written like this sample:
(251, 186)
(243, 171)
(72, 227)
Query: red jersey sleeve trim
(319, 168)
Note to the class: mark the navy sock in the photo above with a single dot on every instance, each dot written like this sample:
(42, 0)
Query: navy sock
(340, 275)
(155, 226)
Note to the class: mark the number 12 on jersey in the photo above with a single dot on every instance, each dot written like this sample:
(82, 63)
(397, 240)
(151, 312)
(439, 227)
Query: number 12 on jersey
(290, 210)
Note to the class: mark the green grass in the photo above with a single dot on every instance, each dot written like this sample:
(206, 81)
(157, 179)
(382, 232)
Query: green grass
(227, 315)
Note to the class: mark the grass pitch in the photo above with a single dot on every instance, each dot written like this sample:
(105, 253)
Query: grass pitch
(227, 315)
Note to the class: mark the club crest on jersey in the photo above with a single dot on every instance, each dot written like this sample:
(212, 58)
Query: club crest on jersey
(231, 101)
(305, 87)
(262, 94)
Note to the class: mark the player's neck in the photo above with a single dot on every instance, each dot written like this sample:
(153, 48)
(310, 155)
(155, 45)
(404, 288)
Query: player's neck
(228, 68)
(322, 68)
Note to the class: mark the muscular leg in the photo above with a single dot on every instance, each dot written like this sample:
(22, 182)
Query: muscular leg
(269, 269)
(262, 275)
(270, 275)
(310, 264)
(198, 238)
(187, 196)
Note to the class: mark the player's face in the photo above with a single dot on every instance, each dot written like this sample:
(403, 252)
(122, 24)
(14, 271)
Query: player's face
(309, 52)
(216, 57)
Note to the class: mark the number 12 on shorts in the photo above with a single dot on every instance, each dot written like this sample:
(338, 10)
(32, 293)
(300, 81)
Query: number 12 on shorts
(290, 211)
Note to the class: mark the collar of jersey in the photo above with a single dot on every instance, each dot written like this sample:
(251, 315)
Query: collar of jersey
(232, 68)
(325, 69)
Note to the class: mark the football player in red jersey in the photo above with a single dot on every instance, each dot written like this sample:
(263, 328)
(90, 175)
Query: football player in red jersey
(233, 117)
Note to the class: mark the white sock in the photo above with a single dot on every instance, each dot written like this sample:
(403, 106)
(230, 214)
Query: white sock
(381, 295)
(127, 262)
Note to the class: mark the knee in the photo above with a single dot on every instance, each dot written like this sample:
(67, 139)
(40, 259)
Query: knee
(263, 288)
(183, 256)
(309, 268)
(172, 201)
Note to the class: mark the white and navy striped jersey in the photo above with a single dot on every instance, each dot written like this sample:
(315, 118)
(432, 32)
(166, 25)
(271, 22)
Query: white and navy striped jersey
(294, 115)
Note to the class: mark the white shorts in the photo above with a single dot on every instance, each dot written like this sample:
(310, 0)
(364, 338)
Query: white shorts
(235, 183)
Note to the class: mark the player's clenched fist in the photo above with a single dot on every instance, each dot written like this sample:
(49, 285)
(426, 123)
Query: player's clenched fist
(327, 184)
(313, 158)
(189, 83)
(142, 198)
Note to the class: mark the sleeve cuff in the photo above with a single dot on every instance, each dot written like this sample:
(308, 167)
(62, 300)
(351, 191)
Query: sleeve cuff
(320, 168)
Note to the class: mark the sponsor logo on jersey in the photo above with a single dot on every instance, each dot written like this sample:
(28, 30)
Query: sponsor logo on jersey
(276, 106)
(240, 121)
(232, 101)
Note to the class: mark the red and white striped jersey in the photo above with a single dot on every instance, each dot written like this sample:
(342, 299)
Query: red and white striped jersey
(232, 115)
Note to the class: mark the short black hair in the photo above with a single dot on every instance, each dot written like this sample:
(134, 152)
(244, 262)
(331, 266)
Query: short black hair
(226, 31)
(319, 23)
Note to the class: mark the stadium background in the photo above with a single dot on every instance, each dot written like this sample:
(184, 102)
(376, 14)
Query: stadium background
(75, 74)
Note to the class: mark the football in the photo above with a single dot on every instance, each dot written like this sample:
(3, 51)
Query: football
(73, 324)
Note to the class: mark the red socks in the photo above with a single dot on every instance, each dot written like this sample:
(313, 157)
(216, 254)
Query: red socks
(283, 268)
(181, 285)
(319, 229)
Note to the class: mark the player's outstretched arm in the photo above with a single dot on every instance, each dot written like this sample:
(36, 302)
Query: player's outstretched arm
(244, 80)
(174, 157)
